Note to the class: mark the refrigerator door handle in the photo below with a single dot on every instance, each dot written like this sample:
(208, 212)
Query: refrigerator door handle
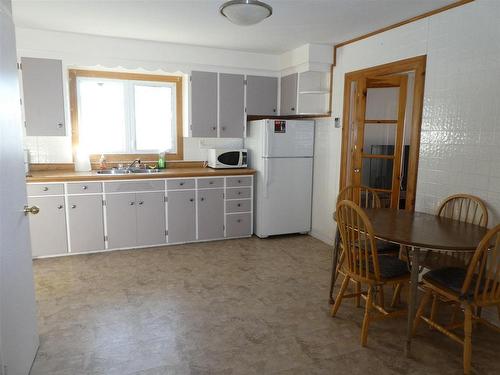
(267, 177)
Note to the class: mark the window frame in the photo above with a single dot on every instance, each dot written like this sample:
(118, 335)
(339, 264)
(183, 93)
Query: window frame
(74, 74)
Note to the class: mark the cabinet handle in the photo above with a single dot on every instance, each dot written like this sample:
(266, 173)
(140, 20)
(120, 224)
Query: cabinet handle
(223, 128)
(181, 183)
(238, 221)
(202, 199)
(141, 203)
(239, 192)
(132, 203)
(85, 187)
(191, 199)
(73, 206)
(214, 127)
(60, 125)
(45, 188)
(211, 182)
(60, 207)
(274, 110)
(293, 108)
(239, 181)
(239, 204)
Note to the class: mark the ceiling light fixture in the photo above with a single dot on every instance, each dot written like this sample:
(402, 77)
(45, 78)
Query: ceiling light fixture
(246, 12)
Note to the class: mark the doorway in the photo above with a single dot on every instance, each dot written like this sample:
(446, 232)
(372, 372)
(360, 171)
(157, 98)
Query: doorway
(381, 130)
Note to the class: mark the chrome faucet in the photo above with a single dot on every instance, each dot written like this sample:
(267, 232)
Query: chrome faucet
(136, 161)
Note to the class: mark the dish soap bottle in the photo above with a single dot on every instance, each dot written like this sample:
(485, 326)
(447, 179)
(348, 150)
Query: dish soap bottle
(161, 161)
(102, 162)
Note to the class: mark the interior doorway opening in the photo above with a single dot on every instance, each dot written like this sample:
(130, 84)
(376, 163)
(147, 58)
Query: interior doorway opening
(381, 130)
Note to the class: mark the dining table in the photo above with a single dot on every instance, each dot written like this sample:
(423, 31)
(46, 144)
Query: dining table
(416, 232)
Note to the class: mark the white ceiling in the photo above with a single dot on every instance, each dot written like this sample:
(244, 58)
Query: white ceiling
(198, 22)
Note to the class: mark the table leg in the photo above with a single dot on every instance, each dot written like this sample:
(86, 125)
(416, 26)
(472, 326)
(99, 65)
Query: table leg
(412, 298)
(335, 257)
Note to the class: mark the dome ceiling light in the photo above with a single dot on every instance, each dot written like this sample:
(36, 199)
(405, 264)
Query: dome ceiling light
(246, 12)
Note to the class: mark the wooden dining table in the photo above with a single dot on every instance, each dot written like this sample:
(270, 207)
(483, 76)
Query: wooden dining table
(416, 231)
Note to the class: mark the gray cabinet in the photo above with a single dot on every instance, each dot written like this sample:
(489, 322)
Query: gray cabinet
(262, 95)
(238, 225)
(181, 216)
(86, 223)
(48, 227)
(204, 104)
(288, 103)
(43, 97)
(210, 214)
(121, 220)
(150, 218)
(231, 105)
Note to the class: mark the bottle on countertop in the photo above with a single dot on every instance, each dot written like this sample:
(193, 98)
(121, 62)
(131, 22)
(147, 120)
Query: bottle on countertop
(102, 162)
(162, 164)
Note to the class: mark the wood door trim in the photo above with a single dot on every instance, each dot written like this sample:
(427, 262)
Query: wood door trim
(398, 147)
(416, 64)
(397, 24)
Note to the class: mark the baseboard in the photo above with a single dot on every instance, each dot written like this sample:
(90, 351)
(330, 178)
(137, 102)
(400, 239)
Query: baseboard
(326, 239)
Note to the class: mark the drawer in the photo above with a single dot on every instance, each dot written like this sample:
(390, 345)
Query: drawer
(238, 225)
(180, 184)
(243, 205)
(204, 183)
(235, 193)
(131, 186)
(84, 188)
(239, 181)
(45, 189)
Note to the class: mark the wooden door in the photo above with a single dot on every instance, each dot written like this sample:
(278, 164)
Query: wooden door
(210, 214)
(18, 331)
(262, 95)
(48, 228)
(43, 97)
(288, 103)
(151, 218)
(181, 216)
(121, 220)
(231, 105)
(377, 144)
(204, 104)
(86, 223)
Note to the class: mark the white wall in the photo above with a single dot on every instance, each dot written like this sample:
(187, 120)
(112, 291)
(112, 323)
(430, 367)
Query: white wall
(460, 150)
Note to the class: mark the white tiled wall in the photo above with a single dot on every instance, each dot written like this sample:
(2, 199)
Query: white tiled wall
(460, 149)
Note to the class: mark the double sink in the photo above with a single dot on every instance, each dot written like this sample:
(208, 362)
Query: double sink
(129, 171)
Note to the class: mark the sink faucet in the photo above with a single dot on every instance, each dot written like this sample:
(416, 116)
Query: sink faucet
(136, 161)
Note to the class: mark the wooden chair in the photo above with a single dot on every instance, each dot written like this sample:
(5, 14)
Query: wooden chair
(473, 288)
(365, 265)
(365, 197)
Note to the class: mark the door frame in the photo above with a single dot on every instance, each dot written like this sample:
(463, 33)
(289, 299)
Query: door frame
(415, 64)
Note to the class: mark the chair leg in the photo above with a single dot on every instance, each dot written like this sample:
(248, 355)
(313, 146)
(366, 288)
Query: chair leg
(421, 309)
(366, 320)
(434, 307)
(338, 300)
(396, 295)
(467, 339)
(358, 292)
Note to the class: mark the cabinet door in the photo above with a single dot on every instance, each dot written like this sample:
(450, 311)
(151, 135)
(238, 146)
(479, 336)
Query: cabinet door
(210, 214)
(181, 216)
(86, 223)
(48, 228)
(262, 95)
(231, 105)
(289, 95)
(150, 218)
(43, 96)
(203, 104)
(121, 220)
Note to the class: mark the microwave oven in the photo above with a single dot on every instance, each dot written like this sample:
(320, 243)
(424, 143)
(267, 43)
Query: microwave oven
(226, 158)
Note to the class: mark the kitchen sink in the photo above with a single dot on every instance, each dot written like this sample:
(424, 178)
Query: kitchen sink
(128, 171)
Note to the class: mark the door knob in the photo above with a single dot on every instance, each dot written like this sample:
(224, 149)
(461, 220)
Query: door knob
(31, 210)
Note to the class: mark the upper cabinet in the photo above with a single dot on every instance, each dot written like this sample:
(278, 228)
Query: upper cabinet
(43, 97)
(231, 105)
(288, 102)
(313, 93)
(262, 96)
(204, 100)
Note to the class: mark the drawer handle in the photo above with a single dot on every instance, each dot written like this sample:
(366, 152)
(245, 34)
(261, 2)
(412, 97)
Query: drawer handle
(45, 188)
(73, 206)
(238, 221)
(211, 182)
(239, 204)
(85, 187)
(141, 203)
(239, 181)
(132, 203)
(239, 192)
(60, 207)
(191, 199)
(181, 183)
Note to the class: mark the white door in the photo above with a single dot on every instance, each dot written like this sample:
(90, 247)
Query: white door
(18, 332)
(288, 138)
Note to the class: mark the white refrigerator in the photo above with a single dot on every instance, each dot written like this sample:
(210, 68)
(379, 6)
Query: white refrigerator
(282, 153)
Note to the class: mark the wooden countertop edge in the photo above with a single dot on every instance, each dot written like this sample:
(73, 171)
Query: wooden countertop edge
(65, 176)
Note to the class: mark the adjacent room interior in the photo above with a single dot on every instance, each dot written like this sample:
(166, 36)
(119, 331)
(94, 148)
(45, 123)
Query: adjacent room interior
(249, 187)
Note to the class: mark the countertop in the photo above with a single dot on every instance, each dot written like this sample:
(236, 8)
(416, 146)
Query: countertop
(62, 175)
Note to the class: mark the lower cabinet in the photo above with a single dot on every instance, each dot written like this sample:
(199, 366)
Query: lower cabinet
(86, 223)
(48, 227)
(210, 214)
(238, 225)
(150, 218)
(181, 216)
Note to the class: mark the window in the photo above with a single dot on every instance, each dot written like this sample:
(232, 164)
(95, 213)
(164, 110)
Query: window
(126, 115)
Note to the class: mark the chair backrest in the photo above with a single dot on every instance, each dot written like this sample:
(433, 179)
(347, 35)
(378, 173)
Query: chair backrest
(363, 196)
(358, 240)
(465, 208)
(483, 274)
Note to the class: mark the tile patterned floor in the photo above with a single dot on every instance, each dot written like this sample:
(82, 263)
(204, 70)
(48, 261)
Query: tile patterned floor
(245, 306)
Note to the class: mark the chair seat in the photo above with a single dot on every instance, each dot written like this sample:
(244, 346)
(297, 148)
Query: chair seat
(391, 267)
(387, 247)
(451, 278)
